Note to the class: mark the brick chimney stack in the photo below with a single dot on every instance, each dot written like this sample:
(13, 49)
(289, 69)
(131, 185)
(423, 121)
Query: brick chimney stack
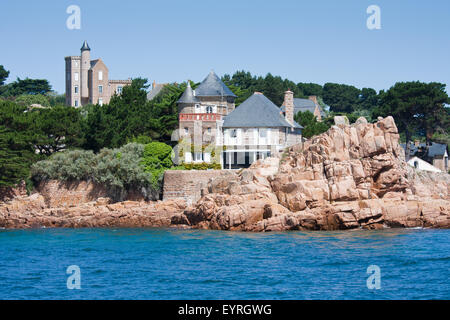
(289, 106)
(313, 99)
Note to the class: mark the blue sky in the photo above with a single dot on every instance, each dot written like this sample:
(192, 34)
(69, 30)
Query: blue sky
(306, 41)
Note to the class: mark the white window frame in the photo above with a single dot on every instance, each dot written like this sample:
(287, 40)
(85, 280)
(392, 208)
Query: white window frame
(100, 101)
(75, 89)
(119, 89)
(198, 157)
(100, 75)
(76, 76)
(100, 88)
(76, 103)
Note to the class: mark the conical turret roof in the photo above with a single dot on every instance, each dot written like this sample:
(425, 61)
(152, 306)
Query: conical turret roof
(85, 46)
(188, 95)
(213, 86)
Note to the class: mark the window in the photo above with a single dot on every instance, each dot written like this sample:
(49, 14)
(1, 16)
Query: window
(100, 75)
(76, 63)
(76, 89)
(416, 164)
(75, 76)
(76, 103)
(209, 109)
(186, 130)
(119, 89)
(198, 157)
(233, 133)
(262, 133)
(198, 108)
(100, 89)
(100, 101)
(209, 129)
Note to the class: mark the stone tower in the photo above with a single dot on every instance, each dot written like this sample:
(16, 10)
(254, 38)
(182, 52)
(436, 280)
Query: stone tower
(85, 66)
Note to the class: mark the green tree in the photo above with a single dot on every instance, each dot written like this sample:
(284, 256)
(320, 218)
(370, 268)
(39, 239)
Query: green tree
(310, 89)
(130, 115)
(16, 148)
(29, 99)
(16, 157)
(341, 97)
(156, 159)
(26, 86)
(415, 106)
(56, 129)
(311, 126)
(3, 75)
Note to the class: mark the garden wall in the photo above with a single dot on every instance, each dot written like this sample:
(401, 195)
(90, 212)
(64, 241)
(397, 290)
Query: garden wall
(187, 184)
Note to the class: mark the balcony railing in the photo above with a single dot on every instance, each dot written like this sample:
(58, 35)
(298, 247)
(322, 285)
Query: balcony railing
(200, 116)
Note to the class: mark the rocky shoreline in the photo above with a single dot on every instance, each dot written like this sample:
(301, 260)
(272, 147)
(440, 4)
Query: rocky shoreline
(352, 176)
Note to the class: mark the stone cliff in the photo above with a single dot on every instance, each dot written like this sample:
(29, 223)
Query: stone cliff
(352, 176)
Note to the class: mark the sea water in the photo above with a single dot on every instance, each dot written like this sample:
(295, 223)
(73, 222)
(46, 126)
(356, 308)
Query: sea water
(201, 264)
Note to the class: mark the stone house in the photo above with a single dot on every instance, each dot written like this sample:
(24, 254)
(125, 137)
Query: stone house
(216, 131)
(201, 115)
(87, 81)
(311, 104)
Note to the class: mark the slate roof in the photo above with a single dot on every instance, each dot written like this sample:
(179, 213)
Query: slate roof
(85, 46)
(188, 95)
(256, 112)
(213, 86)
(304, 105)
(155, 91)
(435, 149)
(94, 62)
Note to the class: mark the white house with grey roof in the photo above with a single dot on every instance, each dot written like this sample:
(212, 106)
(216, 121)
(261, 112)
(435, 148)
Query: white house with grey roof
(208, 120)
(258, 129)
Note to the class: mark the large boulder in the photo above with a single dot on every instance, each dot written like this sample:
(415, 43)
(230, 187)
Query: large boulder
(352, 176)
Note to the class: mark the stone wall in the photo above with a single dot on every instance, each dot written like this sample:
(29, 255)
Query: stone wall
(73, 193)
(188, 184)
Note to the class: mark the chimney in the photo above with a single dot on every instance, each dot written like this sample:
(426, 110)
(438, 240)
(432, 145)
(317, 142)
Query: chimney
(313, 99)
(288, 104)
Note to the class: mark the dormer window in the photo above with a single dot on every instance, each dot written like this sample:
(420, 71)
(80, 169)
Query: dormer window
(209, 109)
(198, 108)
